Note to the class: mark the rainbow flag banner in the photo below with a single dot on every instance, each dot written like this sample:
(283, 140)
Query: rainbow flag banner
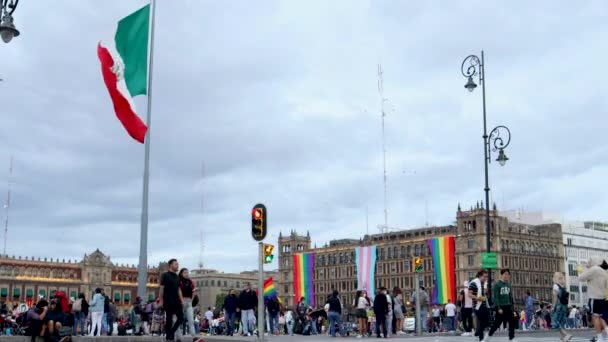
(442, 251)
(269, 290)
(303, 271)
(365, 258)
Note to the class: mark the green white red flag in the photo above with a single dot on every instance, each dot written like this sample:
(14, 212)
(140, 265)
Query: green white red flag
(124, 67)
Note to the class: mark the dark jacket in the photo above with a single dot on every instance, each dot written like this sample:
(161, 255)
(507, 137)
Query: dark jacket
(273, 306)
(106, 304)
(248, 300)
(380, 305)
(231, 303)
(334, 304)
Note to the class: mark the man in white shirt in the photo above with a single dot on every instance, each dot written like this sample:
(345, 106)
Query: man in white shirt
(450, 316)
(209, 319)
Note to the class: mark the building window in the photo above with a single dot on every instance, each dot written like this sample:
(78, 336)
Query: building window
(212, 282)
(470, 244)
(471, 260)
(571, 271)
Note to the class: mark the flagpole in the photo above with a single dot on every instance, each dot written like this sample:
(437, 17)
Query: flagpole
(142, 271)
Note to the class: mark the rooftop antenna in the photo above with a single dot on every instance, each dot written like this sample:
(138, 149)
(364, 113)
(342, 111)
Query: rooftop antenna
(382, 115)
(7, 205)
(202, 246)
(366, 220)
(426, 212)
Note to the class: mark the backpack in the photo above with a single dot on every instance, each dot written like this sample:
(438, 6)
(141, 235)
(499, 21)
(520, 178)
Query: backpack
(77, 305)
(563, 295)
(149, 308)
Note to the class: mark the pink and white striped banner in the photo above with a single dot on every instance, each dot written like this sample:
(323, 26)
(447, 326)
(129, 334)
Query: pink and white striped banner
(365, 258)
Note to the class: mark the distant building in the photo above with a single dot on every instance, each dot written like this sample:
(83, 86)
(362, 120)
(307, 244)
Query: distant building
(211, 283)
(25, 279)
(533, 252)
(581, 241)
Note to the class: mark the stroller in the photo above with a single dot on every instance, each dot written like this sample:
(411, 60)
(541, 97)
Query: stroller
(12, 327)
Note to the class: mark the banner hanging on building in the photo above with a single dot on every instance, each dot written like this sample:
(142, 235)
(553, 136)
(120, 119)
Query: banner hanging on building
(303, 272)
(442, 252)
(365, 258)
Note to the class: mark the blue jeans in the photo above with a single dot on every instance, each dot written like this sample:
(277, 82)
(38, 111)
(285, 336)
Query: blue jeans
(334, 318)
(104, 323)
(423, 315)
(79, 317)
(274, 322)
(529, 317)
(450, 323)
(558, 317)
(229, 317)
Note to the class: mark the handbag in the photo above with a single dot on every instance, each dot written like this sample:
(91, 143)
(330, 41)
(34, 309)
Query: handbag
(195, 300)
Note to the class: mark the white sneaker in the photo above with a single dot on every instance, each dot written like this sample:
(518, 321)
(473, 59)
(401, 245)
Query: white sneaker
(359, 336)
(487, 338)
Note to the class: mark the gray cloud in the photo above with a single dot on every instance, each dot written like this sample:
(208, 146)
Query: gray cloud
(279, 100)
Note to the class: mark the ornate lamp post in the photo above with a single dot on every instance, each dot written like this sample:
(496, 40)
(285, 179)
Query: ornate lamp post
(7, 28)
(498, 140)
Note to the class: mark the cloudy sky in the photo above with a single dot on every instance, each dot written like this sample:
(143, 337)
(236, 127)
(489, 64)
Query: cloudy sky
(278, 100)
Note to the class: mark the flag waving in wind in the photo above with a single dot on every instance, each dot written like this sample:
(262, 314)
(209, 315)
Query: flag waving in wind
(124, 66)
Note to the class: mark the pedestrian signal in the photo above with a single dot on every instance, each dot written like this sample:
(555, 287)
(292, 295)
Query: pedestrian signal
(417, 265)
(268, 253)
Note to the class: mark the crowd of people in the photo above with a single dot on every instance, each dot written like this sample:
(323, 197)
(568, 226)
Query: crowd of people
(174, 314)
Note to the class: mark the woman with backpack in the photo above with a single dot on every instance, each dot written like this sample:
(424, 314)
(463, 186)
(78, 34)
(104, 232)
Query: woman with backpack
(80, 308)
(560, 305)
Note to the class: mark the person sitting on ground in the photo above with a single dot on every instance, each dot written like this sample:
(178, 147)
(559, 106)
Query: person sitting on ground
(55, 318)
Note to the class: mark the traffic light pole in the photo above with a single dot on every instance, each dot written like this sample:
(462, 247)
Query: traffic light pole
(418, 314)
(261, 292)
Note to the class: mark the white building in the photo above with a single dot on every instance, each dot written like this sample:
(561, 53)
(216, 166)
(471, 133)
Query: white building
(582, 240)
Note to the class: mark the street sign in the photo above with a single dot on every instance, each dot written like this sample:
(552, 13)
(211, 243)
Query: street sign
(489, 260)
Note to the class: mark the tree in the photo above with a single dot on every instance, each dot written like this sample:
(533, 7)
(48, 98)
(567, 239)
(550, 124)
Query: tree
(219, 300)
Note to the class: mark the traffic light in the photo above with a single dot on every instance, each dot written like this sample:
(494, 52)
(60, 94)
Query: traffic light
(258, 222)
(268, 253)
(417, 265)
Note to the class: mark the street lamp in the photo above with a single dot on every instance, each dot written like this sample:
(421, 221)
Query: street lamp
(498, 140)
(7, 28)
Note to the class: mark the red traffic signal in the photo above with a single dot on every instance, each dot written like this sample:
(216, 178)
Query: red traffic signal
(258, 222)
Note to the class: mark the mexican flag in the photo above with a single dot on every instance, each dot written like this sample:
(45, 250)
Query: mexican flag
(124, 66)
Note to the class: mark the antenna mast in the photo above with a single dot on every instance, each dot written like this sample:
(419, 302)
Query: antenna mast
(382, 115)
(7, 205)
(200, 259)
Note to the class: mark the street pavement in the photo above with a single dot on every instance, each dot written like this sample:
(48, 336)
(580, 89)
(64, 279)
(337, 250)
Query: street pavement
(536, 336)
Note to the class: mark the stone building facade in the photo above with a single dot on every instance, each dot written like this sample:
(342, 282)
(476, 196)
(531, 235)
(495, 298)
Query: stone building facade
(25, 279)
(533, 252)
(335, 266)
(211, 283)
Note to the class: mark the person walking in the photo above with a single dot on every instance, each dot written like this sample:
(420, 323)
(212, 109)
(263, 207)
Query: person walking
(96, 309)
(362, 304)
(248, 301)
(477, 291)
(503, 298)
(529, 307)
(334, 314)
(381, 310)
(559, 316)
(230, 306)
(424, 305)
(171, 300)
(597, 289)
(187, 291)
(466, 311)
(450, 316)
(398, 313)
